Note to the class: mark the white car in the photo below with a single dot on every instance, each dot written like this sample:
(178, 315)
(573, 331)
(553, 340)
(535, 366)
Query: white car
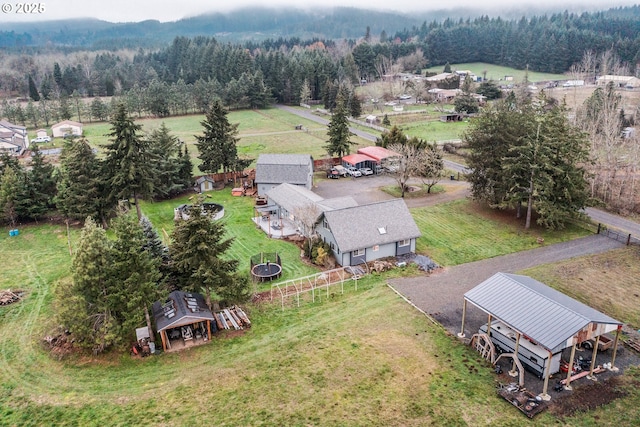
(405, 96)
(354, 172)
(41, 139)
(366, 171)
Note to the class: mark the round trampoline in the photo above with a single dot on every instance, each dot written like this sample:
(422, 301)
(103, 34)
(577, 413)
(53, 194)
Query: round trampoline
(266, 271)
(213, 210)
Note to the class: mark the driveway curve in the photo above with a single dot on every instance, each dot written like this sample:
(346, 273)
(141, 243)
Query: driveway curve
(440, 295)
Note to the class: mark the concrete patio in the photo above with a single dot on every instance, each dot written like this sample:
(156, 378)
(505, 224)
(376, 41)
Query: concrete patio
(276, 228)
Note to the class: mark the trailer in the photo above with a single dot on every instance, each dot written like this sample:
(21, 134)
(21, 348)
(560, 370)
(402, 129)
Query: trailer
(532, 356)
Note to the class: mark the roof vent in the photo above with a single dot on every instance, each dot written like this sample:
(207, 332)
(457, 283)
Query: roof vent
(382, 230)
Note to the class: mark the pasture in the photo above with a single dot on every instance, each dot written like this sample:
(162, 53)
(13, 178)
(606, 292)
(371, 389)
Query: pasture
(498, 73)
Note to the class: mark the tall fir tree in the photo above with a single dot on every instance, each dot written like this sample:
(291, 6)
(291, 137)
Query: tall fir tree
(33, 90)
(85, 306)
(217, 145)
(339, 143)
(165, 150)
(135, 274)
(199, 257)
(128, 162)
(41, 185)
(80, 192)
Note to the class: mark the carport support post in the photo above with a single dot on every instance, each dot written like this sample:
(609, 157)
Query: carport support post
(567, 385)
(514, 372)
(544, 395)
(594, 354)
(615, 350)
(464, 314)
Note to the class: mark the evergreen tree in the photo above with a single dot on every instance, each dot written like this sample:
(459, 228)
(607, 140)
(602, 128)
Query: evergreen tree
(86, 305)
(165, 149)
(32, 113)
(33, 90)
(386, 121)
(64, 108)
(40, 185)
(135, 275)
(217, 146)
(529, 154)
(79, 192)
(447, 68)
(393, 136)
(355, 106)
(197, 254)
(128, 162)
(186, 168)
(339, 143)
(11, 185)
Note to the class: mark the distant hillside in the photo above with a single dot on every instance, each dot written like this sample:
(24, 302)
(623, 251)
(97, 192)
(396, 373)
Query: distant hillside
(244, 24)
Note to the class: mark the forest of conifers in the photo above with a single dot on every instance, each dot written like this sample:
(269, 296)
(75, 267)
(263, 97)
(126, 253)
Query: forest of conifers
(549, 43)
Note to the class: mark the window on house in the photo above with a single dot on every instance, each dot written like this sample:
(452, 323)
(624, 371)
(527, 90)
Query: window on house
(358, 252)
(405, 242)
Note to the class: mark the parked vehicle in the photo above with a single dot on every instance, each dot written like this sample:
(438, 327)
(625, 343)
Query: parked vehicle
(333, 174)
(41, 139)
(342, 171)
(354, 172)
(366, 171)
(405, 96)
(532, 356)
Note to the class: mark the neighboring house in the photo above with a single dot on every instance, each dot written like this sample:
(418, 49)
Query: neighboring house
(275, 169)
(205, 183)
(629, 82)
(40, 133)
(13, 138)
(439, 77)
(365, 233)
(66, 127)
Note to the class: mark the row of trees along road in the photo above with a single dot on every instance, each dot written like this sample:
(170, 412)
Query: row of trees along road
(525, 151)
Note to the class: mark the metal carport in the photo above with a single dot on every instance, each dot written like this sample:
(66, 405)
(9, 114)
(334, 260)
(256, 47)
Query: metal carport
(542, 315)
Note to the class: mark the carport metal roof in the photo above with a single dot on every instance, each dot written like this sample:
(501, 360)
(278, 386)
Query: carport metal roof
(356, 158)
(543, 314)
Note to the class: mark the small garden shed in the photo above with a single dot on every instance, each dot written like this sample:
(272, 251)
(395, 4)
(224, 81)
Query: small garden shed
(183, 320)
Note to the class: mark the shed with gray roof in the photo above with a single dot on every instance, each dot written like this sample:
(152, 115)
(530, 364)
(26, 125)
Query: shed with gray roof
(182, 314)
(275, 169)
(365, 233)
(540, 314)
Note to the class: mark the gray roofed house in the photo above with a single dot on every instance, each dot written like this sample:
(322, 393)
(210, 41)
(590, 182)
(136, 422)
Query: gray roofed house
(13, 138)
(550, 318)
(275, 169)
(358, 234)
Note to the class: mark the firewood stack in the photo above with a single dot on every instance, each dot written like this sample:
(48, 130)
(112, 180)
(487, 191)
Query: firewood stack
(232, 318)
(8, 297)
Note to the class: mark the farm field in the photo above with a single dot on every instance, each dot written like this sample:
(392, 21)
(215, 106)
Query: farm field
(496, 72)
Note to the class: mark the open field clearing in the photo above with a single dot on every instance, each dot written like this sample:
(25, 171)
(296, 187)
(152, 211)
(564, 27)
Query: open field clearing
(609, 282)
(496, 72)
(463, 231)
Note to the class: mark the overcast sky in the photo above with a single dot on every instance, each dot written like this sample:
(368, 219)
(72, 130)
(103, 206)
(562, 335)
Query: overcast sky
(173, 10)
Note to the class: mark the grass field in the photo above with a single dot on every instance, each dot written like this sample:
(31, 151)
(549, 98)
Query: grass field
(462, 231)
(496, 72)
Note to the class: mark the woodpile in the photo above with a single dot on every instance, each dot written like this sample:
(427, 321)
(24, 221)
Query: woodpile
(232, 318)
(9, 297)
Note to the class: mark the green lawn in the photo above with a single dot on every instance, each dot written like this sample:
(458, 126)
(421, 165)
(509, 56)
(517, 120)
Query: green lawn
(496, 72)
(462, 231)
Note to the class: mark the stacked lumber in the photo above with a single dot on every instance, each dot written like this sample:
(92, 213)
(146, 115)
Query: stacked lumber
(8, 297)
(232, 318)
